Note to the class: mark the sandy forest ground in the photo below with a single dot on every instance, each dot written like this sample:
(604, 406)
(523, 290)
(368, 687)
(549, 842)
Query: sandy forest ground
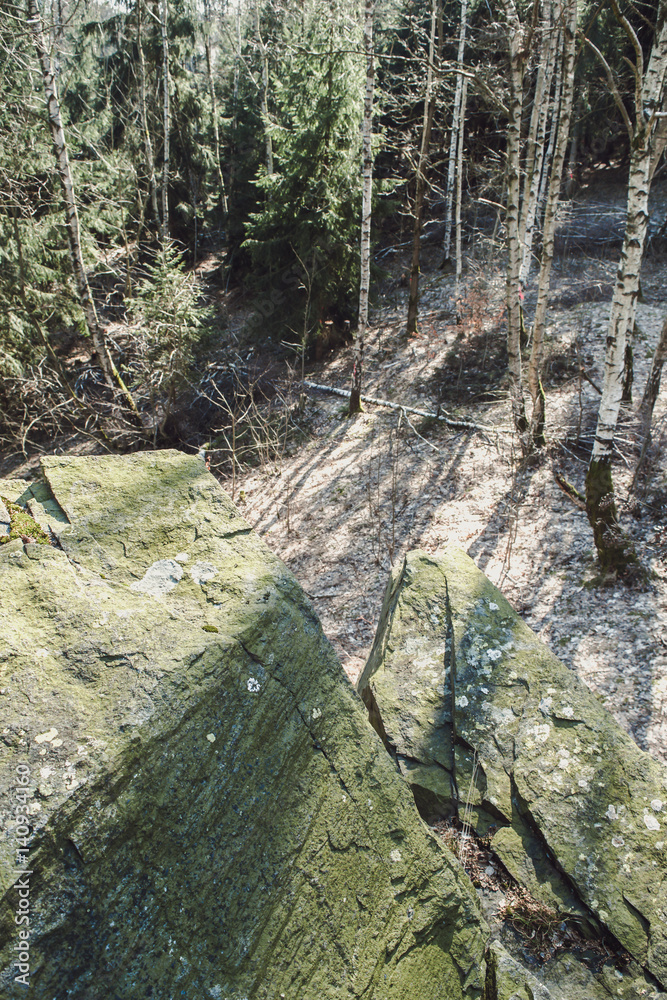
(353, 495)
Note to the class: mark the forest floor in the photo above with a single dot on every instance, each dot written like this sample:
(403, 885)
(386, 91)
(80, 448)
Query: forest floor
(359, 493)
(348, 500)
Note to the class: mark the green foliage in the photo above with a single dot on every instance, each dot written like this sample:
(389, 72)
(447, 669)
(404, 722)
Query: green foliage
(169, 323)
(308, 221)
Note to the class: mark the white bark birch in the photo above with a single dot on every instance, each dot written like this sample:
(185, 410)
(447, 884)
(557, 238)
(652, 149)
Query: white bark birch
(613, 550)
(454, 142)
(563, 118)
(518, 41)
(623, 309)
(366, 203)
(536, 141)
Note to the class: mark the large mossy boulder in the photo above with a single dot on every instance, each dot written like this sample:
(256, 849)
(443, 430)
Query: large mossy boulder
(210, 813)
(477, 711)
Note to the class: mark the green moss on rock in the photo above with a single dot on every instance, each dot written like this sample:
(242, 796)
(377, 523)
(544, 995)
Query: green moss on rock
(22, 525)
(581, 812)
(211, 813)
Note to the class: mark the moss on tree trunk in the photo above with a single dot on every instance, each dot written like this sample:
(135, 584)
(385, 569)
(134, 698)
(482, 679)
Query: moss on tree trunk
(614, 549)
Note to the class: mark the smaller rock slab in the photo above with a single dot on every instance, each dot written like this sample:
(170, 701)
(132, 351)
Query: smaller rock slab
(457, 681)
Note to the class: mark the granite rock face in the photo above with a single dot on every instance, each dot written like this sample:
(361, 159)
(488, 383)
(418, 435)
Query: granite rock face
(476, 709)
(210, 813)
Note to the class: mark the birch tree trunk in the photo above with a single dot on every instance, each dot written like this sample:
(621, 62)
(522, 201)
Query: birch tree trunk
(67, 187)
(613, 548)
(518, 45)
(143, 105)
(366, 203)
(420, 185)
(536, 142)
(563, 117)
(454, 140)
(165, 119)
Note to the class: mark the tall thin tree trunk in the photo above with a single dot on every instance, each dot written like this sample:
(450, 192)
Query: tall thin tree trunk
(536, 142)
(650, 396)
(165, 120)
(366, 203)
(562, 119)
(264, 93)
(67, 187)
(454, 141)
(613, 548)
(554, 108)
(459, 187)
(214, 107)
(420, 185)
(518, 45)
(235, 105)
(143, 104)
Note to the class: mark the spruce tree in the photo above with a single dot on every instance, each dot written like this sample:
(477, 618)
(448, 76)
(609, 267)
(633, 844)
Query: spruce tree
(305, 233)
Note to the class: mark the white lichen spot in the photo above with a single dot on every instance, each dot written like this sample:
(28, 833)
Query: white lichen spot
(583, 784)
(617, 842)
(563, 763)
(545, 705)
(41, 653)
(203, 572)
(182, 557)
(210, 737)
(611, 813)
(484, 690)
(659, 844)
(567, 712)
(492, 606)
(46, 737)
(651, 822)
(344, 798)
(541, 733)
(46, 772)
(159, 578)
(656, 804)
(316, 713)
(56, 743)
(395, 855)
(461, 701)
(253, 685)
(493, 654)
